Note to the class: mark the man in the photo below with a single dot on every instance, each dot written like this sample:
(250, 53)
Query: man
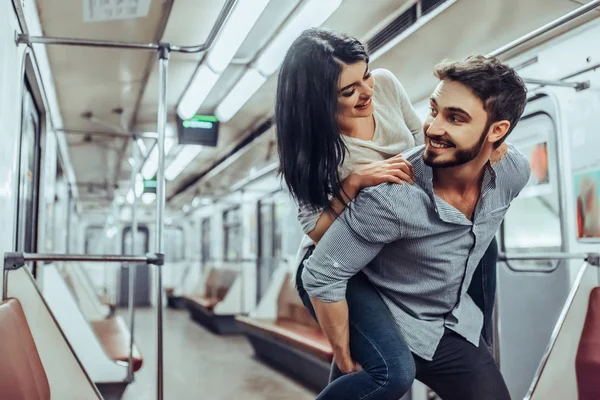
(420, 244)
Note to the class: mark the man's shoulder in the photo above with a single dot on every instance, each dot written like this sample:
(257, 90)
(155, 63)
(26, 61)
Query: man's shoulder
(513, 169)
(414, 155)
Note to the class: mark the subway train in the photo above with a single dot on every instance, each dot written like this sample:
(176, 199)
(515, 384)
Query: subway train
(151, 242)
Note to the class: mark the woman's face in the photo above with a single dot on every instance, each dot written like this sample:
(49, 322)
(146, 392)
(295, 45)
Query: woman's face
(355, 91)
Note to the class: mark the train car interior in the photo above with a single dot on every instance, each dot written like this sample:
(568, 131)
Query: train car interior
(151, 242)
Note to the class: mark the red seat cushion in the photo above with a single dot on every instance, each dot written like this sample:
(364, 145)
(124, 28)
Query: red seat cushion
(22, 375)
(587, 362)
(305, 338)
(207, 302)
(114, 336)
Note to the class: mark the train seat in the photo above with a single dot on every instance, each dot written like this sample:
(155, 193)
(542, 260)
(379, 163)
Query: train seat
(22, 375)
(202, 306)
(587, 362)
(293, 342)
(114, 336)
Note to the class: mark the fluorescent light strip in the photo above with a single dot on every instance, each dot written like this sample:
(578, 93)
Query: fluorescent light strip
(185, 156)
(240, 22)
(236, 29)
(151, 164)
(250, 82)
(202, 83)
(314, 13)
(148, 198)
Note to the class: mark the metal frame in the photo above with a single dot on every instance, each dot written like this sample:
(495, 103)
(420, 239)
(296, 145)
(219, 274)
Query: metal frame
(592, 259)
(14, 261)
(578, 86)
(559, 325)
(163, 50)
(546, 28)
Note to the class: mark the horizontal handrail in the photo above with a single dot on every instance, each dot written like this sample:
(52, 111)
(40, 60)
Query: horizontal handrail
(590, 258)
(118, 44)
(546, 28)
(14, 261)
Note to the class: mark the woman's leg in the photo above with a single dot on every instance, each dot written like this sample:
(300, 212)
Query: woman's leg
(375, 343)
(483, 289)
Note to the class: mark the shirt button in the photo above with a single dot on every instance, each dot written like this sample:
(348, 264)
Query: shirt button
(336, 265)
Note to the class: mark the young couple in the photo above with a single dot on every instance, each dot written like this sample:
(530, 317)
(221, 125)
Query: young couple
(402, 280)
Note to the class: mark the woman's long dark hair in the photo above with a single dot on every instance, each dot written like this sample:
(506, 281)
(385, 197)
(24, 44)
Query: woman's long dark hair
(309, 140)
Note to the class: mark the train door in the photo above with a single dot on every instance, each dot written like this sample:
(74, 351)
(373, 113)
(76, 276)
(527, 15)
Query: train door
(270, 223)
(29, 161)
(205, 253)
(232, 231)
(531, 293)
(141, 295)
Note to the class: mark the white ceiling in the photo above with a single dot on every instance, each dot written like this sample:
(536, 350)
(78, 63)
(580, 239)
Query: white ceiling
(100, 80)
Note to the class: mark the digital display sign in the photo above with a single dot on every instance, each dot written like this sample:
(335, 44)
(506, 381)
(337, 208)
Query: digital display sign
(200, 129)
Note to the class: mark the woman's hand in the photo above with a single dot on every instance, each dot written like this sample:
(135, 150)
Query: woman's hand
(345, 363)
(394, 170)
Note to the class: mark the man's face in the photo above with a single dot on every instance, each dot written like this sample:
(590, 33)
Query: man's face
(456, 128)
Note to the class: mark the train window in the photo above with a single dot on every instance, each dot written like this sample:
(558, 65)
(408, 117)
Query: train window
(175, 243)
(533, 222)
(232, 230)
(142, 239)
(28, 174)
(205, 241)
(94, 240)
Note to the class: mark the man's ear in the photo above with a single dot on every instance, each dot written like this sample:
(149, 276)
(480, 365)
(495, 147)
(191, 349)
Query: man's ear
(498, 130)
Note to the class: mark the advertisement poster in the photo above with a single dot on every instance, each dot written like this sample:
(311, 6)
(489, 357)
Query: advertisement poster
(587, 197)
(532, 137)
(585, 159)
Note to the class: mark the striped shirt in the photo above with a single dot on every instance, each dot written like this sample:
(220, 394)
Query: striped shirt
(418, 251)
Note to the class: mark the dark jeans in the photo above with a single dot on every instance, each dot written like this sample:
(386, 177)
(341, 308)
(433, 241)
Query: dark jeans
(461, 371)
(375, 343)
(378, 346)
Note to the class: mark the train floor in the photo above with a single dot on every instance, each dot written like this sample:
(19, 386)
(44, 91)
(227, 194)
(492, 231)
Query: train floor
(199, 364)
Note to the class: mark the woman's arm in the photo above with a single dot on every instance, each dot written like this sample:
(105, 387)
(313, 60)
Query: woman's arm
(395, 169)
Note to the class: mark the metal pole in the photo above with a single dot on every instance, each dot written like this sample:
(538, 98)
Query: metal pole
(575, 85)
(546, 28)
(132, 266)
(542, 256)
(163, 70)
(87, 257)
(223, 15)
(116, 44)
(66, 41)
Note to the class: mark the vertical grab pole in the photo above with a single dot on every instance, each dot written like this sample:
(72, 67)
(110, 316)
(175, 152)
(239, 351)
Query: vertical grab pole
(134, 251)
(163, 60)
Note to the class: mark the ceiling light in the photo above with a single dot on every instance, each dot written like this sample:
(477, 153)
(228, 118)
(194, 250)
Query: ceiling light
(148, 198)
(314, 13)
(151, 164)
(232, 35)
(238, 25)
(185, 156)
(240, 94)
(202, 83)
(130, 196)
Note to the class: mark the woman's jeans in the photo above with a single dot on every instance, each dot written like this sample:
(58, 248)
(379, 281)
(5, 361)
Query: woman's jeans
(377, 344)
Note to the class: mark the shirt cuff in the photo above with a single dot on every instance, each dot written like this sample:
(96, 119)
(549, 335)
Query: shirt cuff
(324, 288)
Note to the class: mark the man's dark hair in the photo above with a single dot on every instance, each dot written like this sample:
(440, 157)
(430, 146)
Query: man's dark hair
(498, 86)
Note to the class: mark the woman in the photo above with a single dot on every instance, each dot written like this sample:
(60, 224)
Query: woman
(341, 128)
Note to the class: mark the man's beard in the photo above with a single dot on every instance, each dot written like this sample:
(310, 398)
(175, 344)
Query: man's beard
(461, 156)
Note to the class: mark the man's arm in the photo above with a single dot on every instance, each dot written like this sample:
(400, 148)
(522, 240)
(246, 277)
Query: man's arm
(351, 242)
